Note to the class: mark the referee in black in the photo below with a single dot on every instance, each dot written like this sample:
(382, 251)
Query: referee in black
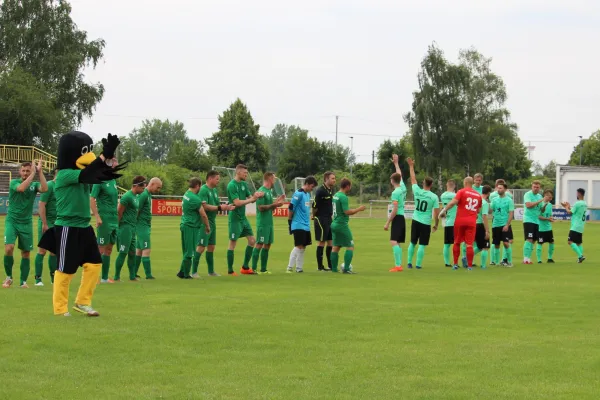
(322, 215)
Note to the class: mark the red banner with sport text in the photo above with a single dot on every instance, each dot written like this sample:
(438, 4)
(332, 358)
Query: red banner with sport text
(172, 207)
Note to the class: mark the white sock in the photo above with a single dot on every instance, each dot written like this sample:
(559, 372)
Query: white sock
(293, 257)
(300, 260)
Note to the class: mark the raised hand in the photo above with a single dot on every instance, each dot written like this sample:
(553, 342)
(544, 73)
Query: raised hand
(395, 158)
(410, 162)
(39, 165)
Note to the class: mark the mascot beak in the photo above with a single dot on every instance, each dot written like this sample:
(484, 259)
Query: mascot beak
(85, 160)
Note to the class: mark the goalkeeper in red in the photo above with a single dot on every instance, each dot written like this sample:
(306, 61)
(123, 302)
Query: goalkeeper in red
(467, 202)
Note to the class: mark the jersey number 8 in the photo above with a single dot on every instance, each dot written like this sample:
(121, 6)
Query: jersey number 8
(473, 203)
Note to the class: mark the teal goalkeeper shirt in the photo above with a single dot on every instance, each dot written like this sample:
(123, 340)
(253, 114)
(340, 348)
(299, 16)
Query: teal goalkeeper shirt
(451, 213)
(501, 208)
(425, 202)
(532, 215)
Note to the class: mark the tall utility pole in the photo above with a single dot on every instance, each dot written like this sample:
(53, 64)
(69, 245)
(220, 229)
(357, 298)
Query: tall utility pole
(336, 128)
(373, 158)
(580, 149)
(351, 152)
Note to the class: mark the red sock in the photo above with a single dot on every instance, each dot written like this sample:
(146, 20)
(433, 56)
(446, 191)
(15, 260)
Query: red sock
(456, 252)
(470, 255)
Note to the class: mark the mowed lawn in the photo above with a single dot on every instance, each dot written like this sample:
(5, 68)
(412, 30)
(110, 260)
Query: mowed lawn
(530, 332)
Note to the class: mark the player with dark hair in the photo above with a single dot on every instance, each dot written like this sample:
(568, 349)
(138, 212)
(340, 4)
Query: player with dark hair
(482, 231)
(545, 228)
(127, 214)
(193, 221)
(531, 219)
(47, 213)
(491, 198)
(143, 228)
(322, 212)
(299, 222)
(503, 211)
(578, 217)
(265, 232)
(446, 198)
(396, 217)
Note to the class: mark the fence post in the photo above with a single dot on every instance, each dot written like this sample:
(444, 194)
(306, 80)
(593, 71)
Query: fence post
(379, 190)
(360, 196)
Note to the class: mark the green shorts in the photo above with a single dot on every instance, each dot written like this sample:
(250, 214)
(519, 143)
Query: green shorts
(190, 237)
(211, 238)
(239, 229)
(265, 235)
(142, 234)
(126, 239)
(342, 236)
(23, 232)
(107, 234)
(40, 233)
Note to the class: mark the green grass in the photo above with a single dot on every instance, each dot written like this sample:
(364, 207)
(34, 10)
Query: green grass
(531, 332)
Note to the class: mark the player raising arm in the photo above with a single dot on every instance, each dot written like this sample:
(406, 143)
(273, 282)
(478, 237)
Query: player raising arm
(396, 217)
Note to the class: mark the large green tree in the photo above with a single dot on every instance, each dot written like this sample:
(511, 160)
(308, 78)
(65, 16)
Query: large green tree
(189, 155)
(275, 142)
(302, 156)
(238, 139)
(588, 150)
(156, 137)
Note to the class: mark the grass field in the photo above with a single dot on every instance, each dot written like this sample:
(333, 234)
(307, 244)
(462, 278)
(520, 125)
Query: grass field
(530, 332)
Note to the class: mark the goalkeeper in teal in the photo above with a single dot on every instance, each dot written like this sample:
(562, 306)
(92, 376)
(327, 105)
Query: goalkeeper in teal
(426, 205)
(447, 197)
(47, 213)
(144, 226)
(545, 233)
(578, 217)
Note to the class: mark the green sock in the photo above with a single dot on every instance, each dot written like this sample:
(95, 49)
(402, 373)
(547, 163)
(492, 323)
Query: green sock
(138, 262)
(581, 248)
(335, 259)
(476, 250)
(496, 255)
(509, 254)
(196, 262)
(447, 254)
(147, 267)
(504, 256)
(52, 265)
(182, 266)
(264, 258)
(25, 266)
(8, 265)
(210, 261)
(131, 266)
(247, 256)
(538, 252)
(105, 266)
(230, 258)
(420, 255)
(39, 267)
(550, 251)
(493, 254)
(397, 255)
(576, 249)
(255, 256)
(484, 257)
(527, 249)
(119, 265)
(348, 259)
(187, 266)
(411, 252)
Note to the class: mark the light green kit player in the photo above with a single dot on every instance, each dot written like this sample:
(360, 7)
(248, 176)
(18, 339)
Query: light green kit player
(143, 228)
(531, 218)
(503, 209)
(396, 216)
(47, 213)
(446, 198)
(545, 228)
(19, 221)
(104, 203)
(578, 216)
(128, 213)
(193, 220)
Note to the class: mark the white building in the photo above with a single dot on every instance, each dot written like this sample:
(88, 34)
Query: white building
(569, 178)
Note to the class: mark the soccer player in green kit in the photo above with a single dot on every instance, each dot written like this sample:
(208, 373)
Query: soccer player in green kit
(239, 227)
(503, 211)
(340, 230)
(491, 198)
(104, 202)
(396, 217)
(19, 221)
(144, 226)
(447, 197)
(127, 215)
(193, 221)
(47, 213)
(426, 204)
(265, 234)
(545, 226)
(578, 217)
(531, 219)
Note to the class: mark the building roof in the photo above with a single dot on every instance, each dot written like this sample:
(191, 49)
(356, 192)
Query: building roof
(579, 168)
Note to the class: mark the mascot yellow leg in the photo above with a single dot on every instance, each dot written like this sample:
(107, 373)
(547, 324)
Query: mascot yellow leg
(89, 278)
(60, 293)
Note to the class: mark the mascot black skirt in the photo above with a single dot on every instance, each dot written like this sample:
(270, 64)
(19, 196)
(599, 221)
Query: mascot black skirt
(72, 238)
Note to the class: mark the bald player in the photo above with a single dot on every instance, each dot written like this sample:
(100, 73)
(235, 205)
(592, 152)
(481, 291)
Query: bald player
(143, 227)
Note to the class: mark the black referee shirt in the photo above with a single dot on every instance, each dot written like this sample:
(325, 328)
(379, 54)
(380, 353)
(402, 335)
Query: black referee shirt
(323, 203)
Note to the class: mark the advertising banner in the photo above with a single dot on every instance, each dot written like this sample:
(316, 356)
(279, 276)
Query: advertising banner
(4, 205)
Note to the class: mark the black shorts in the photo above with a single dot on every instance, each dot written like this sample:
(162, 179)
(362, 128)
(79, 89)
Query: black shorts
(480, 239)
(398, 233)
(499, 236)
(546, 237)
(322, 229)
(420, 233)
(449, 235)
(73, 247)
(576, 237)
(530, 231)
(302, 238)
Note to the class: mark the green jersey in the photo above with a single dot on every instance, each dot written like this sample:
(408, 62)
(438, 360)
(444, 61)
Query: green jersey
(546, 226)
(20, 204)
(50, 199)
(451, 213)
(210, 197)
(532, 215)
(72, 199)
(578, 216)
(484, 210)
(501, 208)
(264, 219)
(130, 202)
(340, 206)
(425, 202)
(478, 189)
(107, 201)
(144, 209)
(399, 195)
(190, 206)
(237, 190)
(495, 194)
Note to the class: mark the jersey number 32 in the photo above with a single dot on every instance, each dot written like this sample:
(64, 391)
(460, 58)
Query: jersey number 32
(471, 204)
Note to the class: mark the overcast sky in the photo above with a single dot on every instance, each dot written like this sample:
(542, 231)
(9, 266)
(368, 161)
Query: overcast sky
(305, 62)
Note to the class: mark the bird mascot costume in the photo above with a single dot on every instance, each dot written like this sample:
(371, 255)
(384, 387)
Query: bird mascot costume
(72, 238)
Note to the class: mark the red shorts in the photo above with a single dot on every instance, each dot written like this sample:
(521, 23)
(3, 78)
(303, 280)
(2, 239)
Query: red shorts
(464, 233)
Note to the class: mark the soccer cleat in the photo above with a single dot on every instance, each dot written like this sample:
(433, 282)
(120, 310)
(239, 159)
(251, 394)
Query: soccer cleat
(180, 275)
(67, 314)
(24, 285)
(107, 281)
(455, 267)
(540, 262)
(288, 270)
(448, 266)
(349, 272)
(418, 267)
(409, 266)
(7, 282)
(39, 283)
(232, 273)
(483, 267)
(299, 271)
(504, 261)
(246, 271)
(151, 278)
(264, 273)
(493, 264)
(527, 262)
(326, 269)
(196, 276)
(464, 262)
(87, 310)
(550, 261)
(396, 269)
(188, 277)
(213, 274)
(137, 276)
(136, 279)
(580, 260)
(469, 268)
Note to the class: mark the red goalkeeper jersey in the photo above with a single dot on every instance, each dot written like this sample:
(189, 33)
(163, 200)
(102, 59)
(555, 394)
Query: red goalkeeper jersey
(469, 203)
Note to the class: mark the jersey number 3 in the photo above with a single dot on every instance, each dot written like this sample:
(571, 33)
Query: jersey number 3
(472, 204)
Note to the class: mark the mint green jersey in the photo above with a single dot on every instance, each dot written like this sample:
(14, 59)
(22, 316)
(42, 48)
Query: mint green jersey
(484, 210)
(501, 209)
(495, 195)
(478, 189)
(546, 226)
(532, 215)
(399, 195)
(578, 216)
(425, 202)
(451, 213)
